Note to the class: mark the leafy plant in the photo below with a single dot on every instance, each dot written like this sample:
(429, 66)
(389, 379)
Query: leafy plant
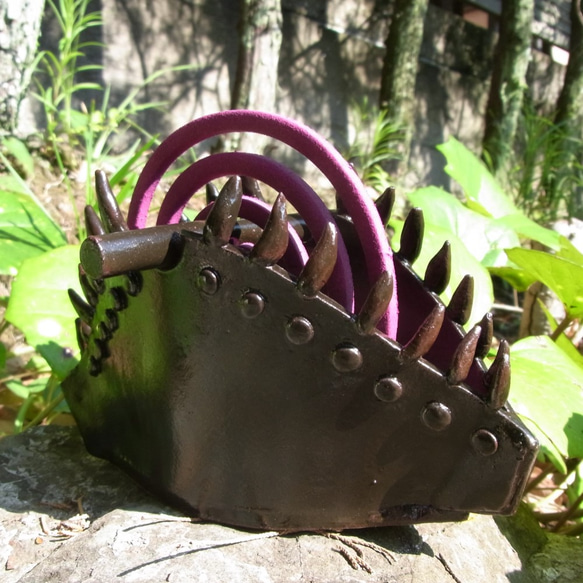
(373, 145)
(63, 69)
(545, 173)
(33, 247)
(73, 125)
(547, 379)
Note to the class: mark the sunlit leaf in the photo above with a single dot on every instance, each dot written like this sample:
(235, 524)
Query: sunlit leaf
(480, 234)
(528, 229)
(570, 252)
(547, 447)
(484, 194)
(547, 387)
(18, 150)
(519, 279)
(25, 231)
(563, 342)
(40, 307)
(462, 263)
(564, 277)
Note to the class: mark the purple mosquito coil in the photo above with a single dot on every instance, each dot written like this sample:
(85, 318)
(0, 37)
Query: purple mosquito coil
(310, 207)
(260, 369)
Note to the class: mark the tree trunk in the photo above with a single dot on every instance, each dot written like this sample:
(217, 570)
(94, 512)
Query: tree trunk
(508, 80)
(568, 118)
(256, 76)
(19, 30)
(403, 43)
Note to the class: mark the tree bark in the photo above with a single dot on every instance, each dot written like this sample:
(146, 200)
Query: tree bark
(508, 83)
(255, 82)
(19, 31)
(568, 117)
(400, 65)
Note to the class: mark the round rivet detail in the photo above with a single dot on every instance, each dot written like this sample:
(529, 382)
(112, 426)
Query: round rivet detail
(208, 281)
(388, 389)
(252, 304)
(484, 442)
(346, 358)
(299, 330)
(436, 416)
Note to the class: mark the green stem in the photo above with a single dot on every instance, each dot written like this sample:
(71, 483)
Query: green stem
(66, 180)
(15, 377)
(548, 469)
(546, 517)
(561, 327)
(568, 513)
(45, 412)
(19, 421)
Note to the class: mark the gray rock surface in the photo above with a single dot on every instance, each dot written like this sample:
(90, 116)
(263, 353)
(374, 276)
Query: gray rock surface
(66, 516)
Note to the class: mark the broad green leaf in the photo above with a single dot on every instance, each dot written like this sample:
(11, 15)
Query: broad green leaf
(570, 252)
(13, 183)
(462, 263)
(24, 391)
(40, 307)
(563, 342)
(564, 277)
(527, 228)
(480, 234)
(547, 447)
(18, 150)
(2, 356)
(519, 279)
(552, 454)
(25, 231)
(547, 387)
(484, 194)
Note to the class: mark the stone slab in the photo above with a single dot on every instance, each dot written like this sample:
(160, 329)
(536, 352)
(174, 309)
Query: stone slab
(66, 516)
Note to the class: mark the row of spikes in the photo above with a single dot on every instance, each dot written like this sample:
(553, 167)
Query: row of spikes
(273, 243)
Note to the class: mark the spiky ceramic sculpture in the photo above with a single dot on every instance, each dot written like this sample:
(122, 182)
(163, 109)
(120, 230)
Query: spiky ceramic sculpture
(281, 373)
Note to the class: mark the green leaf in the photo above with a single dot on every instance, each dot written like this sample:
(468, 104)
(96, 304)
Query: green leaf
(135, 153)
(479, 233)
(25, 231)
(40, 307)
(484, 194)
(547, 447)
(527, 228)
(2, 356)
(13, 184)
(563, 341)
(519, 279)
(547, 388)
(23, 391)
(18, 150)
(570, 252)
(462, 263)
(564, 277)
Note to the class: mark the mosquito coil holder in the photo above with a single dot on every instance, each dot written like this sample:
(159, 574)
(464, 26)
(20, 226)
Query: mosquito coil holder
(286, 372)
